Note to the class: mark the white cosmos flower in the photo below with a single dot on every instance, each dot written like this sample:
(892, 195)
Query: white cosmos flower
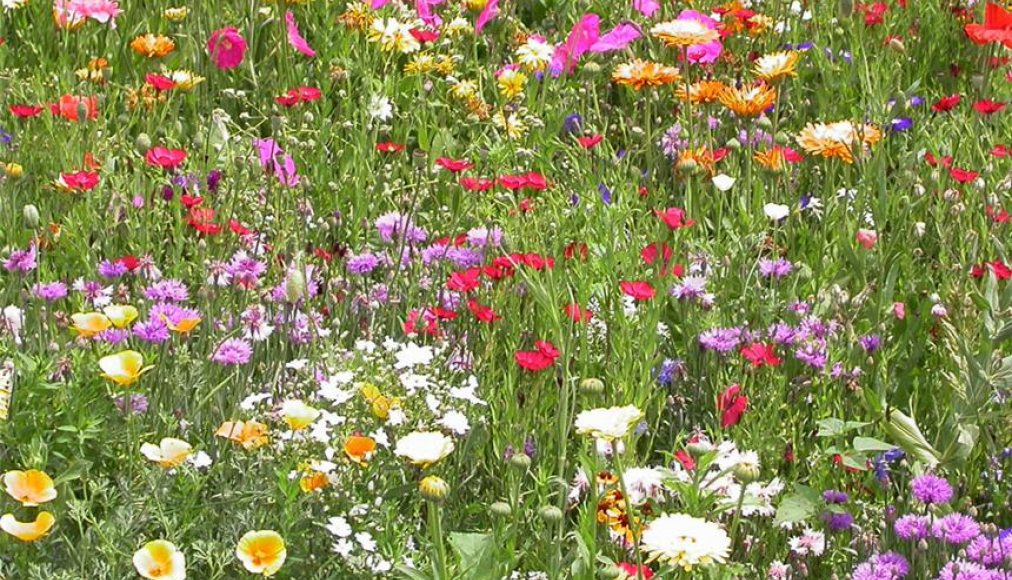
(608, 423)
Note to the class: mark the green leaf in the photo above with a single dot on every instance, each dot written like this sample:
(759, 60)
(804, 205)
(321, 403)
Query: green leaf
(476, 555)
(832, 426)
(798, 506)
(867, 444)
(411, 573)
(907, 434)
(74, 471)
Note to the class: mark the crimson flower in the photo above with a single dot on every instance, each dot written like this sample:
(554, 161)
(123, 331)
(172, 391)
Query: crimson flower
(465, 281)
(476, 183)
(78, 181)
(1000, 270)
(202, 220)
(590, 142)
(638, 290)
(760, 354)
(651, 252)
(731, 405)
(537, 360)
(389, 147)
(159, 82)
(423, 35)
(988, 107)
(25, 111)
(482, 313)
(530, 180)
(577, 313)
(455, 165)
(674, 218)
(1000, 151)
(164, 157)
(997, 27)
(577, 250)
(963, 175)
(946, 104)
(998, 216)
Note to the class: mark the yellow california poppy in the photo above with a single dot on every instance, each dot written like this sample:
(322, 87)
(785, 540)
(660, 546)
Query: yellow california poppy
(249, 434)
(28, 531)
(120, 315)
(297, 414)
(262, 552)
(31, 487)
(160, 559)
(88, 324)
(123, 368)
(359, 449)
(169, 452)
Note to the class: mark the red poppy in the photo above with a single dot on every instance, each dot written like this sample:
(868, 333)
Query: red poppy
(239, 229)
(164, 157)
(78, 181)
(998, 216)
(476, 183)
(946, 104)
(988, 107)
(731, 405)
(997, 26)
(159, 82)
(760, 354)
(1000, 151)
(318, 252)
(683, 457)
(288, 99)
(590, 142)
(131, 263)
(933, 161)
(442, 313)
(1000, 270)
(650, 253)
(873, 13)
(674, 218)
(578, 313)
(190, 201)
(454, 165)
(423, 35)
(535, 261)
(531, 180)
(963, 175)
(638, 290)
(421, 322)
(537, 360)
(300, 95)
(25, 111)
(389, 147)
(202, 220)
(69, 106)
(465, 281)
(482, 313)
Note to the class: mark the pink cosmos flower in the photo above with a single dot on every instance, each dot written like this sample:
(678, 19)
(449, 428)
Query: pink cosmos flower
(227, 48)
(295, 38)
(702, 53)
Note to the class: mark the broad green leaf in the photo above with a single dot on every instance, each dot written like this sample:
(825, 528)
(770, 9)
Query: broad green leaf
(907, 434)
(798, 506)
(869, 444)
(476, 554)
(832, 426)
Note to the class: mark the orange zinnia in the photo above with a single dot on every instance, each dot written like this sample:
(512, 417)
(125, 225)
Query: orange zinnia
(748, 102)
(643, 73)
(249, 434)
(359, 449)
(31, 488)
(153, 45)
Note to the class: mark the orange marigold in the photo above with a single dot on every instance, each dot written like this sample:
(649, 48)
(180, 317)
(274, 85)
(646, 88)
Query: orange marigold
(644, 73)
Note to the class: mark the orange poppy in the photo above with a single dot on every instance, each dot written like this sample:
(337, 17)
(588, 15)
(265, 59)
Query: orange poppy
(249, 434)
(359, 449)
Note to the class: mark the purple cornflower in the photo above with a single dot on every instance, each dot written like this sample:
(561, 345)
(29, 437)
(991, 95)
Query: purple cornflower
(912, 527)
(670, 371)
(22, 261)
(722, 340)
(464, 258)
(956, 528)
(887, 566)
(530, 447)
(138, 403)
(167, 291)
(901, 124)
(393, 224)
(109, 270)
(50, 291)
(833, 496)
(672, 142)
(775, 268)
(480, 237)
(234, 351)
(114, 335)
(153, 331)
(931, 489)
(837, 522)
(213, 179)
(245, 270)
(94, 292)
(573, 124)
(964, 570)
(870, 343)
(362, 264)
(813, 354)
(690, 288)
(992, 552)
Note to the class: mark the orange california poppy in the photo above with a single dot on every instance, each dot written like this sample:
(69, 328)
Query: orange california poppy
(249, 434)
(359, 449)
(31, 487)
(28, 531)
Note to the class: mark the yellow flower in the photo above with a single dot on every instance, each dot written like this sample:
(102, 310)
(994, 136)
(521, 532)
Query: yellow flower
(643, 73)
(379, 404)
(185, 80)
(123, 368)
(175, 14)
(511, 83)
(28, 531)
(512, 124)
(838, 139)
(249, 434)
(457, 27)
(776, 66)
(683, 33)
(359, 449)
(89, 324)
(262, 552)
(433, 488)
(120, 315)
(160, 559)
(475, 5)
(750, 101)
(13, 170)
(357, 15)
(31, 488)
(464, 90)
(152, 45)
(184, 326)
(297, 414)
(169, 452)
(312, 481)
(535, 54)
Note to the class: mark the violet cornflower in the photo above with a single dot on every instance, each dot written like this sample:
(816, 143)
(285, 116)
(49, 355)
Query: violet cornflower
(234, 351)
(931, 489)
(22, 261)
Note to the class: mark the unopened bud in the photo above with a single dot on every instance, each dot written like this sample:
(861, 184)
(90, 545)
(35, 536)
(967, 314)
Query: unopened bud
(592, 385)
(550, 514)
(30, 214)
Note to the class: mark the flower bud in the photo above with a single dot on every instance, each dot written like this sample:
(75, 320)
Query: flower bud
(550, 514)
(433, 488)
(295, 285)
(142, 143)
(500, 509)
(13, 170)
(733, 144)
(521, 461)
(764, 122)
(30, 214)
(592, 385)
(746, 472)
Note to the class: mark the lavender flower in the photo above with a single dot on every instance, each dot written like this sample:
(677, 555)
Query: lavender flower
(775, 268)
(362, 264)
(153, 331)
(870, 343)
(137, 403)
(167, 291)
(992, 552)
(722, 340)
(837, 522)
(109, 270)
(887, 566)
(835, 497)
(912, 527)
(22, 261)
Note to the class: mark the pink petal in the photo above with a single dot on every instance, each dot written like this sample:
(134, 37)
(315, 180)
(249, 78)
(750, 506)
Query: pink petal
(377, 4)
(295, 39)
(584, 34)
(424, 10)
(490, 11)
(617, 38)
(646, 7)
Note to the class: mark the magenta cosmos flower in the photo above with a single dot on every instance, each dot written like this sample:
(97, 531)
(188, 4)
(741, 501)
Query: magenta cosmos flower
(227, 48)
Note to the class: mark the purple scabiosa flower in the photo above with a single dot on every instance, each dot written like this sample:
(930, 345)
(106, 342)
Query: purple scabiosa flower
(887, 566)
(50, 291)
(782, 333)
(956, 528)
(835, 497)
(234, 351)
(22, 261)
(775, 268)
(393, 224)
(152, 331)
(912, 527)
(931, 489)
(916, 101)
(137, 403)
(362, 264)
(167, 291)
(110, 270)
(245, 270)
(901, 124)
(870, 343)
(722, 340)
(573, 124)
(837, 522)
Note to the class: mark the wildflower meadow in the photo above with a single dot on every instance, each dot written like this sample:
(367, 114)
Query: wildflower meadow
(505, 289)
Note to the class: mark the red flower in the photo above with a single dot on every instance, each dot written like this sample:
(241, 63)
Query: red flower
(189, 201)
(731, 405)
(241, 230)
(683, 457)
(933, 161)
(130, 262)
(389, 147)
(537, 360)
(963, 175)
(202, 220)
(455, 165)
(946, 104)
(476, 183)
(576, 250)
(873, 13)
(78, 181)
(422, 35)
(578, 313)
(465, 281)
(526, 205)
(531, 180)
(590, 142)
(159, 82)
(423, 322)
(630, 570)
(164, 157)
(1000, 151)
(988, 107)
(650, 252)
(997, 267)
(638, 290)
(998, 216)
(760, 354)
(69, 106)
(997, 27)
(482, 313)
(25, 111)
(300, 95)
(674, 218)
